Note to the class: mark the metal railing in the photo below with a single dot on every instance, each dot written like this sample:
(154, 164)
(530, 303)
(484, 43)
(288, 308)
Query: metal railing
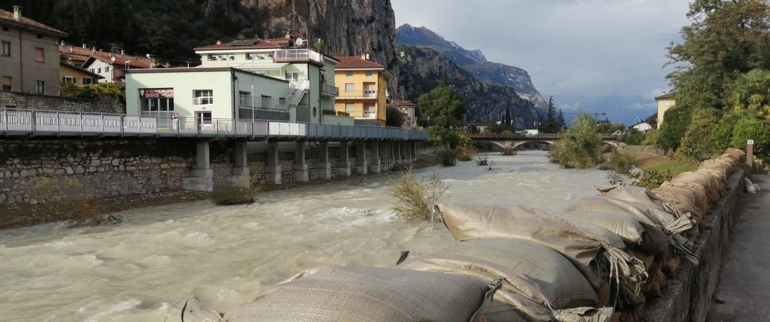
(372, 94)
(330, 89)
(31, 122)
(258, 102)
(296, 55)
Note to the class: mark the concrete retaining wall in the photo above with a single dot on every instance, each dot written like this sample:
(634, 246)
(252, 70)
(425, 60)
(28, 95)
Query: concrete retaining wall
(56, 103)
(690, 291)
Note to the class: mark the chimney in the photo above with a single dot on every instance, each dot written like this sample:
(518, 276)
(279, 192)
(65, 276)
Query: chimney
(366, 56)
(219, 42)
(122, 53)
(84, 46)
(17, 13)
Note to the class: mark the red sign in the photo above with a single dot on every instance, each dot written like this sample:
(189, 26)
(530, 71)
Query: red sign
(156, 93)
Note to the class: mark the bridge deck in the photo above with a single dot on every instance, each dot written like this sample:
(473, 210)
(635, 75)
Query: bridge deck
(72, 124)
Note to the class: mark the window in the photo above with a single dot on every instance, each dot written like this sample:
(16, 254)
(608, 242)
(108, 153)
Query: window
(349, 74)
(266, 101)
(350, 107)
(68, 80)
(88, 80)
(40, 87)
(369, 74)
(7, 83)
(39, 55)
(203, 97)
(39, 36)
(5, 28)
(350, 87)
(99, 70)
(204, 118)
(370, 111)
(245, 99)
(292, 76)
(6, 48)
(107, 69)
(212, 57)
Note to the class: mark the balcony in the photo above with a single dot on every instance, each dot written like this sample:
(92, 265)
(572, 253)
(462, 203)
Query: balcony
(297, 56)
(358, 95)
(330, 90)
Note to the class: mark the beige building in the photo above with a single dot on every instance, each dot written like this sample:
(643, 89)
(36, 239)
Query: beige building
(29, 55)
(363, 89)
(665, 102)
(408, 108)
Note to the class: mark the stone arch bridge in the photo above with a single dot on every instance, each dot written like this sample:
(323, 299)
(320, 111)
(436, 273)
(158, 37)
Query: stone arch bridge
(516, 140)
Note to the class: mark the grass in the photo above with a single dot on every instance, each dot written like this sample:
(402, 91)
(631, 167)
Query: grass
(416, 198)
(674, 167)
(447, 158)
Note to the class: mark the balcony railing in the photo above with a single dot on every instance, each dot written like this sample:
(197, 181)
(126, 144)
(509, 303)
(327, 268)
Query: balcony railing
(357, 94)
(296, 55)
(330, 90)
(257, 102)
(63, 124)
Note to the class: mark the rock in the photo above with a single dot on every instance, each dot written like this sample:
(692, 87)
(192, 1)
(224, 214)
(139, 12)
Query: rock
(80, 170)
(92, 169)
(96, 163)
(116, 162)
(69, 170)
(3, 197)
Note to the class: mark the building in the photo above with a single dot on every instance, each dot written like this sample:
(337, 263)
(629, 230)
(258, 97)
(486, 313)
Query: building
(364, 95)
(110, 66)
(309, 74)
(408, 108)
(244, 79)
(642, 127)
(28, 54)
(665, 102)
(69, 74)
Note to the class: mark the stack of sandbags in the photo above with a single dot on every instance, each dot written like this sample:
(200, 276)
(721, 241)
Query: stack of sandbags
(539, 284)
(598, 259)
(685, 201)
(334, 294)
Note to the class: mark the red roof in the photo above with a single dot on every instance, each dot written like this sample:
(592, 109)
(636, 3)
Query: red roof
(669, 96)
(357, 63)
(75, 53)
(6, 17)
(400, 103)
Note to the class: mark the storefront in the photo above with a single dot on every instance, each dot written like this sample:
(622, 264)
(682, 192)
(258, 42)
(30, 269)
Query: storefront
(159, 103)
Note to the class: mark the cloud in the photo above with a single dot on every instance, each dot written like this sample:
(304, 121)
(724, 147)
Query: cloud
(591, 48)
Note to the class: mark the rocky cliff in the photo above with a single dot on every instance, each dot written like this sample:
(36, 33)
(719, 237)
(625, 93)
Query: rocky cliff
(473, 61)
(421, 69)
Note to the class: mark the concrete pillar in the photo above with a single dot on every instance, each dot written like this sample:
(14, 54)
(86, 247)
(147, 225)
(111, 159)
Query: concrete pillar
(324, 167)
(375, 166)
(241, 176)
(361, 164)
(414, 151)
(301, 172)
(408, 148)
(750, 154)
(273, 168)
(202, 177)
(343, 161)
(397, 152)
(384, 157)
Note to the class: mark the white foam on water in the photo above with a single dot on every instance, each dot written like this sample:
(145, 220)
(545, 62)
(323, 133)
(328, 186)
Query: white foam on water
(117, 308)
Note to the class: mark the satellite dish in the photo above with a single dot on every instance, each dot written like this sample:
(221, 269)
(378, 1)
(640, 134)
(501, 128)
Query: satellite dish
(149, 56)
(112, 59)
(299, 42)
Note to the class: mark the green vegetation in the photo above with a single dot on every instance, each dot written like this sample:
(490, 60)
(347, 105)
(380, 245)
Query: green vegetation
(416, 198)
(447, 158)
(553, 123)
(674, 167)
(751, 129)
(634, 138)
(393, 116)
(94, 91)
(620, 163)
(466, 153)
(446, 110)
(580, 146)
(651, 138)
(651, 179)
(696, 144)
(751, 91)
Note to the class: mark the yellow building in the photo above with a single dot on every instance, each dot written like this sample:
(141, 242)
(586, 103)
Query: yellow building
(69, 74)
(363, 89)
(665, 102)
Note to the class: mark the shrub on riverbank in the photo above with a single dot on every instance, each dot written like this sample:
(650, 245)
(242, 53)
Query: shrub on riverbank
(416, 198)
(447, 158)
(466, 153)
(67, 193)
(620, 163)
(580, 146)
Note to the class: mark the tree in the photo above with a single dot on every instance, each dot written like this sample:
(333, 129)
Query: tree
(446, 109)
(722, 136)
(696, 143)
(507, 119)
(580, 146)
(675, 125)
(393, 117)
(560, 121)
(749, 128)
(550, 125)
(752, 92)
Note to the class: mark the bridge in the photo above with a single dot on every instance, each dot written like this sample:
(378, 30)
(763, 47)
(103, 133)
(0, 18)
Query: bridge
(512, 141)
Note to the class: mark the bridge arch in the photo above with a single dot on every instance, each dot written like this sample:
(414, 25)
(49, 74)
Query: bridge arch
(513, 144)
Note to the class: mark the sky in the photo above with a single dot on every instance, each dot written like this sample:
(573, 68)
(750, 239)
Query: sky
(591, 55)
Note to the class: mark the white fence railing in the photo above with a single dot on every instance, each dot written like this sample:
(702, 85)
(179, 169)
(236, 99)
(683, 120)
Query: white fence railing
(29, 122)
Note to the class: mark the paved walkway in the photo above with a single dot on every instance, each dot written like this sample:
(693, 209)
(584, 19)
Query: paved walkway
(744, 288)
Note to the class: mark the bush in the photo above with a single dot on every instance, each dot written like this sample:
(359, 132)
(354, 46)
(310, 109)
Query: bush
(393, 116)
(651, 138)
(507, 132)
(722, 136)
(341, 113)
(416, 198)
(328, 112)
(675, 124)
(751, 129)
(466, 153)
(696, 144)
(580, 146)
(509, 151)
(447, 158)
(620, 163)
(635, 138)
(651, 179)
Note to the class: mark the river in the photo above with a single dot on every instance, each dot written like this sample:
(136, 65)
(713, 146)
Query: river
(226, 255)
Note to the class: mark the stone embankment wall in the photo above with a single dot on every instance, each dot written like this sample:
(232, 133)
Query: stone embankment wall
(690, 292)
(56, 103)
(37, 170)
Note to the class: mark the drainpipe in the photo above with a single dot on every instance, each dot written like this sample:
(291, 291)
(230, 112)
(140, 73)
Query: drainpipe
(21, 61)
(232, 96)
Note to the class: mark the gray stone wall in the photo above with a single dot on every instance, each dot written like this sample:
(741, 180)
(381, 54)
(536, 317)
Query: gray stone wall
(55, 103)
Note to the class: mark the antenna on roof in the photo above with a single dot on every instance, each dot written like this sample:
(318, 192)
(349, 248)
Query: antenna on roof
(299, 42)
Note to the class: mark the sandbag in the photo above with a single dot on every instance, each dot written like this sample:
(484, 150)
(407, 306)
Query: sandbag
(737, 154)
(685, 200)
(714, 189)
(191, 310)
(697, 189)
(563, 284)
(521, 298)
(334, 294)
(592, 256)
(644, 214)
(650, 239)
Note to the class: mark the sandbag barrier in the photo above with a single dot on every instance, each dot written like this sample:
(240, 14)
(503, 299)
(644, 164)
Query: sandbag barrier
(603, 259)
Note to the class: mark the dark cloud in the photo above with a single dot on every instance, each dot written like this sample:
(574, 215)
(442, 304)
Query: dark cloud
(581, 48)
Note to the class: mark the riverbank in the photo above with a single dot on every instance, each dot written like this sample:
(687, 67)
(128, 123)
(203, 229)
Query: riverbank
(655, 160)
(26, 215)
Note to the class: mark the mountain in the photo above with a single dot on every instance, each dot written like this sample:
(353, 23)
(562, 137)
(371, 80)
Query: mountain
(421, 68)
(472, 61)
